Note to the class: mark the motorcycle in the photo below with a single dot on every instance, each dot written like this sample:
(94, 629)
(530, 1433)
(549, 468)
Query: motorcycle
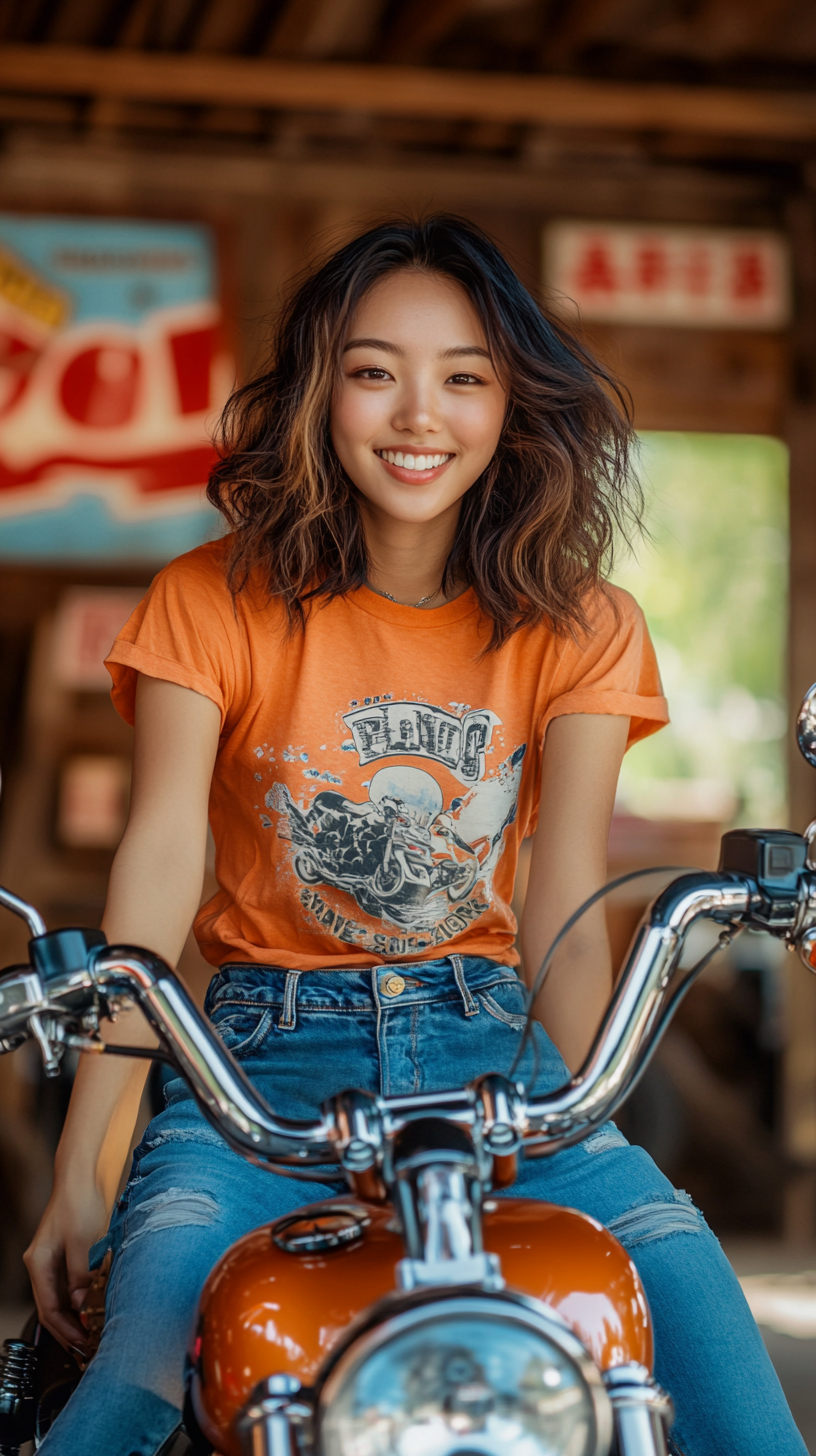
(379, 854)
(419, 1313)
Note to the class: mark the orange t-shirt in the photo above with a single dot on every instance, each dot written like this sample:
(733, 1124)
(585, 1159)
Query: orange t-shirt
(375, 775)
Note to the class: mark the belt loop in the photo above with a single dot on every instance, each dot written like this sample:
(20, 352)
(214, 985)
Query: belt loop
(288, 1016)
(471, 1006)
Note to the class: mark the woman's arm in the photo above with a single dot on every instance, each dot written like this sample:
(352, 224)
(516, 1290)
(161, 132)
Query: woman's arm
(579, 775)
(153, 894)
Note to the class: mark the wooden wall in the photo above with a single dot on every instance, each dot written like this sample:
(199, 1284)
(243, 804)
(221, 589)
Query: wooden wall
(273, 212)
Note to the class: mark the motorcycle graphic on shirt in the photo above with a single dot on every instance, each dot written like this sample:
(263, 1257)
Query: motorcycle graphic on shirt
(405, 857)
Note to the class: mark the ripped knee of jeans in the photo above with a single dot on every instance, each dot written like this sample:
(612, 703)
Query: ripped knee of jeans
(605, 1138)
(175, 1208)
(648, 1222)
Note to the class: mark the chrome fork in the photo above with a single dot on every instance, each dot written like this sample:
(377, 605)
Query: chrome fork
(273, 1418)
(643, 1413)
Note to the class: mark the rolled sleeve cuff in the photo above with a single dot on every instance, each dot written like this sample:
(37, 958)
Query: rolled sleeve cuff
(646, 715)
(126, 659)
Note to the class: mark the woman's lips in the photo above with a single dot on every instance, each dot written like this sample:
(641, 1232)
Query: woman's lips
(409, 476)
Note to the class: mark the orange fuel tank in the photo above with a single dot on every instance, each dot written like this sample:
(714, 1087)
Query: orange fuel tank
(266, 1311)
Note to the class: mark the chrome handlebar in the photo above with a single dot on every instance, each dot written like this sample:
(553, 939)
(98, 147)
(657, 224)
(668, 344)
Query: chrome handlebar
(60, 1003)
(641, 1006)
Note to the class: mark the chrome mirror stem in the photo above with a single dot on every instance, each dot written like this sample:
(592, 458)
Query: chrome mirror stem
(26, 912)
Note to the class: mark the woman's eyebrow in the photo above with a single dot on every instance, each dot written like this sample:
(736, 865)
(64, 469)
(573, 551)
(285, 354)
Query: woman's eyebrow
(461, 351)
(372, 344)
(458, 351)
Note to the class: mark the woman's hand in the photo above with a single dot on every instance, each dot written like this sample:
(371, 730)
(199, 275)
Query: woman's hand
(57, 1257)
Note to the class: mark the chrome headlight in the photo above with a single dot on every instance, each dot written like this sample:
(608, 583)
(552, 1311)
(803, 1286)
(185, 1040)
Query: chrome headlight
(466, 1376)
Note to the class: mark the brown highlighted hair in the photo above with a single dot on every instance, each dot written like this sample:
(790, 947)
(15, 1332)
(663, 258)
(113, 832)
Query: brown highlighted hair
(536, 530)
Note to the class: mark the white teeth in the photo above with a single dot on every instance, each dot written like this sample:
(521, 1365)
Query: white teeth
(413, 462)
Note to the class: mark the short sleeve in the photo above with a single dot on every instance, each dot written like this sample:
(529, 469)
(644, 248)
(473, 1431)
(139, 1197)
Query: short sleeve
(612, 669)
(183, 631)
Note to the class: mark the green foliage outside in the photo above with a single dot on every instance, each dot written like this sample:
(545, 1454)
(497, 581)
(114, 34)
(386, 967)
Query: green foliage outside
(712, 580)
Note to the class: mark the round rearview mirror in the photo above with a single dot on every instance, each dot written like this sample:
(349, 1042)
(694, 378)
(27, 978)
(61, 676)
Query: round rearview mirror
(806, 726)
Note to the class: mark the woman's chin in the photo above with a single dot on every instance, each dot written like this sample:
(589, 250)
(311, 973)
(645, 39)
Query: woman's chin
(415, 505)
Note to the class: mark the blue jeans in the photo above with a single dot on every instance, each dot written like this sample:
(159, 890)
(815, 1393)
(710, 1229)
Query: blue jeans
(303, 1036)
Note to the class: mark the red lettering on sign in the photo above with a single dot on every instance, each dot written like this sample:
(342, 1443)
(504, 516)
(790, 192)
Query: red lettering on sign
(748, 279)
(651, 267)
(98, 388)
(17, 359)
(192, 357)
(596, 273)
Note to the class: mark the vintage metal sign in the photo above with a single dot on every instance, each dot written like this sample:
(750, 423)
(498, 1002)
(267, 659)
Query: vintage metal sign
(112, 370)
(688, 277)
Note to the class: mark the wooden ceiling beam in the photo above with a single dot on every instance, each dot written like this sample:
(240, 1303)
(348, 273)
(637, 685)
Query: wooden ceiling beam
(558, 101)
(418, 26)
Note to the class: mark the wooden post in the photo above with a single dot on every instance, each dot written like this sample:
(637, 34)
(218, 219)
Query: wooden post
(799, 1066)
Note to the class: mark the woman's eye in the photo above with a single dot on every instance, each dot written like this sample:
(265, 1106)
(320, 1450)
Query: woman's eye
(372, 374)
(464, 379)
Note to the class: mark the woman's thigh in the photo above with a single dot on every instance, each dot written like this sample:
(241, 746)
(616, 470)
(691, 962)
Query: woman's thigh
(709, 1353)
(189, 1198)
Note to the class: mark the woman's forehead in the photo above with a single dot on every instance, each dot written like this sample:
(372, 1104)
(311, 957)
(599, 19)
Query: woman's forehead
(411, 300)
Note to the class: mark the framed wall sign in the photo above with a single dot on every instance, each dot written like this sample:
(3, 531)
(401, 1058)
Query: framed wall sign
(112, 372)
(688, 277)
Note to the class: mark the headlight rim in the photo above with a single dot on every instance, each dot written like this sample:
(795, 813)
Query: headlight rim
(396, 1314)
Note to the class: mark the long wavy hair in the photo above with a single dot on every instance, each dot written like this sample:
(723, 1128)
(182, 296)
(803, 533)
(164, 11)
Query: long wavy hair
(537, 529)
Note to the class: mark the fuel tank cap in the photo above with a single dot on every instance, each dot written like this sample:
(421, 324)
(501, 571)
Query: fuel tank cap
(323, 1229)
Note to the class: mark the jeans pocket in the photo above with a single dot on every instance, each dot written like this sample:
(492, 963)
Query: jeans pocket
(506, 1003)
(244, 1029)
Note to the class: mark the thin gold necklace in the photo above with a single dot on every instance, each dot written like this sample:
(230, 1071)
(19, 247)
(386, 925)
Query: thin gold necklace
(420, 603)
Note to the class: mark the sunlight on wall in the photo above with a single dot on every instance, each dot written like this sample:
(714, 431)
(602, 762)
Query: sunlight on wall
(712, 580)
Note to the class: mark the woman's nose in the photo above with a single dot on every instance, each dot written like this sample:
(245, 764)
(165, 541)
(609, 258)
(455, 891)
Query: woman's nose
(417, 412)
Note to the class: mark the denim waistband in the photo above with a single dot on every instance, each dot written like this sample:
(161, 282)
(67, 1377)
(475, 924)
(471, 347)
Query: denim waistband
(356, 989)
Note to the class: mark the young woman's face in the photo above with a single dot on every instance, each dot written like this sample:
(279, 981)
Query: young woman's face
(418, 407)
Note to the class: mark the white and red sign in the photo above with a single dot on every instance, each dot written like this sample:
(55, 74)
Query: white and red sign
(112, 373)
(688, 277)
(88, 619)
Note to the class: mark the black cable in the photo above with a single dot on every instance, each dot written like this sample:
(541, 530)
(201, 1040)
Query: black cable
(152, 1054)
(533, 993)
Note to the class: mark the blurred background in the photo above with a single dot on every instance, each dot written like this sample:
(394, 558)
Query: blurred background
(649, 166)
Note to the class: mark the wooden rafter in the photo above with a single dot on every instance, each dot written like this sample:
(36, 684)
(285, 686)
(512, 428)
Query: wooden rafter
(406, 91)
(418, 26)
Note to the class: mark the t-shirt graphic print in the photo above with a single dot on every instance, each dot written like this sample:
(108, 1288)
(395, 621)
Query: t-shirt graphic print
(377, 771)
(415, 855)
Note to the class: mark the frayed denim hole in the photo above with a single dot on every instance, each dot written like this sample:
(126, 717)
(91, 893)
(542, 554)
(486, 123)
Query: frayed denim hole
(175, 1208)
(646, 1223)
(605, 1138)
(203, 1134)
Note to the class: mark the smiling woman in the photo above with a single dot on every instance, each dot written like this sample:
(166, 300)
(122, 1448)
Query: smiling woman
(425, 436)
(419, 338)
(411, 432)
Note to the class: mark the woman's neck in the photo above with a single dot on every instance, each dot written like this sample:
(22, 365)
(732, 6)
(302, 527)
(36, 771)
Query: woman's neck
(407, 559)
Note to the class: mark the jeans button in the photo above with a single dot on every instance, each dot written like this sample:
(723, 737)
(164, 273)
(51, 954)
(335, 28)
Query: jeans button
(393, 986)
